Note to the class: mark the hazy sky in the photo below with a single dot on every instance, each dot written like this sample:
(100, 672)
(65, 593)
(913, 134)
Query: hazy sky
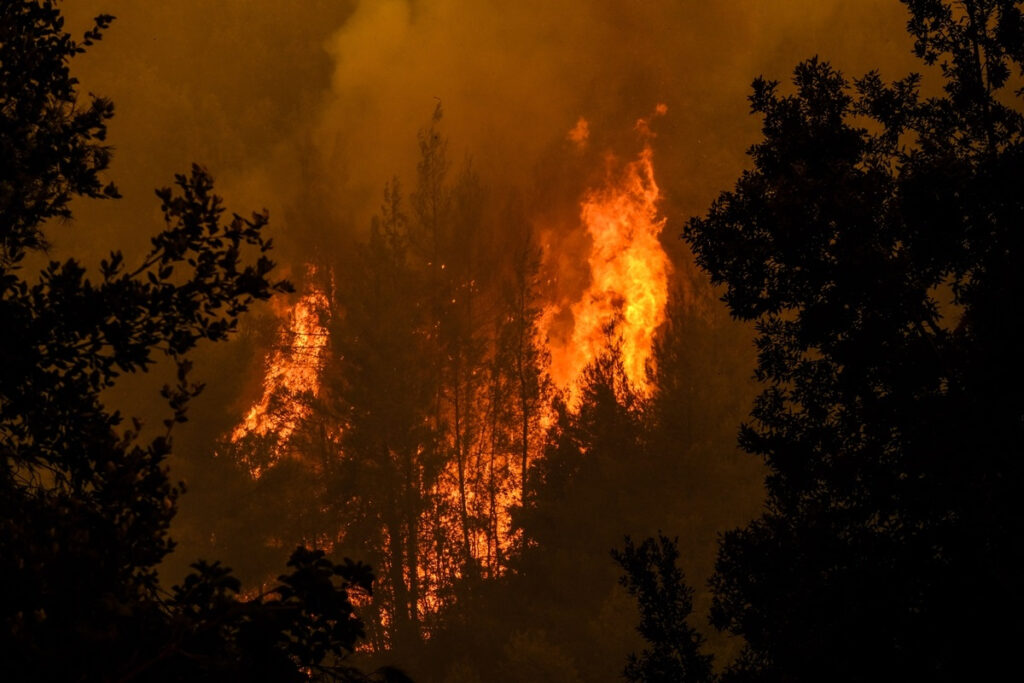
(307, 107)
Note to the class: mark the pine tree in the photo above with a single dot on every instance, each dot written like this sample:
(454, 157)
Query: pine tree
(378, 396)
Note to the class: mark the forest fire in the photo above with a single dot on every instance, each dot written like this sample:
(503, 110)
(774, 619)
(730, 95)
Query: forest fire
(292, 371)
(443, 379)
(625, 302)
(533, 415)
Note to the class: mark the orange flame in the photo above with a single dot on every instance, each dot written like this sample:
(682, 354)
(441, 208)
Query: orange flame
(292, 371)
(624, 302)
(629, 274)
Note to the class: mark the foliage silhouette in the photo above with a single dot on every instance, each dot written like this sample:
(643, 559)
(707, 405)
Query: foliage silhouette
(378, 393)
(655, 580)
(876, 245)
(85, 501)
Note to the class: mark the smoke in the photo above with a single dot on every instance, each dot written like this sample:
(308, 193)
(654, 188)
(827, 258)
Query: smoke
(307, 108)
(513, 78)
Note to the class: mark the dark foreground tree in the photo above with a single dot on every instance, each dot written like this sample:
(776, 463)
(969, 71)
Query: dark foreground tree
(877, 245)
(85, 501)
(654, 578)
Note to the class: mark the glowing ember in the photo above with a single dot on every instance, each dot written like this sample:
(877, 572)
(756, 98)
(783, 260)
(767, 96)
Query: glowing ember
(628, 277)
(580, 132)
(293, 371)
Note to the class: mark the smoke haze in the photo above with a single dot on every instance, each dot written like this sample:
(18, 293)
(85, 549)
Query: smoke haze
(307, 108)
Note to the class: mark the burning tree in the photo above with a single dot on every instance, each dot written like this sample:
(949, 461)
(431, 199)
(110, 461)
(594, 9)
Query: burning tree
(386, 457)
(434, 398)
(417, 389)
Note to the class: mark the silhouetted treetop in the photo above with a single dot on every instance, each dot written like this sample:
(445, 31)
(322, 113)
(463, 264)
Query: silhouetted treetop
(51, 144)
(876, 245)
(654, 578)
(86, 501)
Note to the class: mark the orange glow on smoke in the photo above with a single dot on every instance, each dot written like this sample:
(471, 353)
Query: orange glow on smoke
(292, 372)
(629, 273)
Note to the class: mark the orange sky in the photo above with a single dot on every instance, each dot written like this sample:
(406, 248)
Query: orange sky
(307, 107)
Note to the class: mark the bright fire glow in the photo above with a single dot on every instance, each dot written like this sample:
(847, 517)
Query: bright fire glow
(629, 278)
(292, 371)
(624, 303)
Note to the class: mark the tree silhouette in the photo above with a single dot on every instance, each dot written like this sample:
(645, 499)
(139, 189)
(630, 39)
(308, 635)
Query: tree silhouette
(655, 580)
(434, 392)
(580, 500)
(519, 365)
(876, 245)
(380, 393)
(85, 501)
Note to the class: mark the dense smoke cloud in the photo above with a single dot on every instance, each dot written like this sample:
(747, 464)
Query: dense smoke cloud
(307, 108)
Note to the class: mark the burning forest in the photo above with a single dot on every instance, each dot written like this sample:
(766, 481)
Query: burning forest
(429, 412)
(579, 341)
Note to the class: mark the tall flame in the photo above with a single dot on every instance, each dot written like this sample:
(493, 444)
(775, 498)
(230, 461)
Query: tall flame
(623, 303)
(292, 371)
(629, 274)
